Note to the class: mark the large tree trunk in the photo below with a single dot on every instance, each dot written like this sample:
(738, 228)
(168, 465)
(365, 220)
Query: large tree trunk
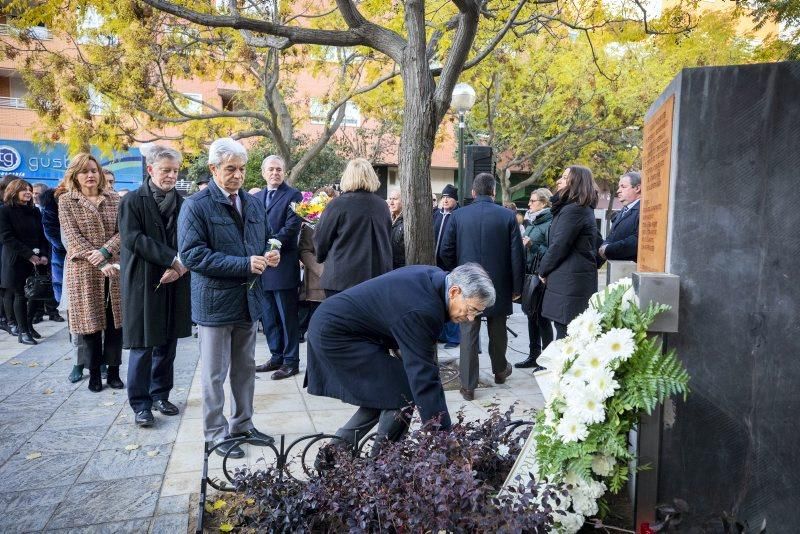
(417, 140)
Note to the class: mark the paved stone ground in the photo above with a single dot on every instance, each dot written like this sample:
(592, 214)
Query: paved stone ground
(72, 460)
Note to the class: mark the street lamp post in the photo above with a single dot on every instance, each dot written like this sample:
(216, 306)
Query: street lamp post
(462, 101)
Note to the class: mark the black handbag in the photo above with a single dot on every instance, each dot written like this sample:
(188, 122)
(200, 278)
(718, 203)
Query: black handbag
(38, 286)
(532, 289)
(532, 293)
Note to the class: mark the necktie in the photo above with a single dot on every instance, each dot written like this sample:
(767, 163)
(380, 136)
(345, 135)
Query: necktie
(623, 212)
(270, 195)
(232, 198)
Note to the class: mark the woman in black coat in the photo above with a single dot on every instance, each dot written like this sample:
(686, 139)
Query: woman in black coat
(352, 238)
(24, 248)
(7, 323)
(569, 267)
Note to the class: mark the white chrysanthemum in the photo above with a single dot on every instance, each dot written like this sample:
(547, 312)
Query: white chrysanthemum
(568, 523)
(597, 300)
(602, 383)
(584, 505)
(570, 429)
(574, 376)
(585, 327)
(586, 407)
(617, 344)
(593, 360)
(602, 465)
(274, 244)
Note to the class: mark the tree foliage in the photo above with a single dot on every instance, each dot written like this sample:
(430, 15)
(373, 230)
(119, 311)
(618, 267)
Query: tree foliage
(548, 101)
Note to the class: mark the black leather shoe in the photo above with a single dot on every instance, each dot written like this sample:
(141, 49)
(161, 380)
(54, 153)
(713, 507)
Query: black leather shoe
(527, 363)
(165, 407)
(4, 326)
(35, 334)
(235, 450)
(144, 418)
(255, 437)
(38, 318)
(539, 368)
(56, 318)
(26, 339)
(285, 372)
(467, 394)
(500, 378)
(267, 367)
(14, 329)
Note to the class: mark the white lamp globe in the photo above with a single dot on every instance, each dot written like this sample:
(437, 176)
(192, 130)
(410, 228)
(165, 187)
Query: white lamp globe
(463, 97)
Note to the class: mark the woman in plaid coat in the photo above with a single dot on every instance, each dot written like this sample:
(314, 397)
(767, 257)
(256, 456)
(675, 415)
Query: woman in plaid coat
(87, 211)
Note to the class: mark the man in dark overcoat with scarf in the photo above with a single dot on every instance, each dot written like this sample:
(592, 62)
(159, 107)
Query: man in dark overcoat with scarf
(155, 285)
(373, 345)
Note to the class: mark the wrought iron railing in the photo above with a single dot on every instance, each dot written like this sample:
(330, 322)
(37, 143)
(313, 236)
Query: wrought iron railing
(284, 457)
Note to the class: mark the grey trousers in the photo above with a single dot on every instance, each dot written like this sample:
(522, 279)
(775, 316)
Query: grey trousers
(224, 348)
(468, 349)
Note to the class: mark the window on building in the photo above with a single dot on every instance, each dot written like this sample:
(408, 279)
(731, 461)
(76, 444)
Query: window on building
(191, 103)
(320, 109)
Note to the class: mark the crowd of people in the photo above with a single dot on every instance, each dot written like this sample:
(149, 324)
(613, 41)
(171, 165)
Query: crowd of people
(137, 271)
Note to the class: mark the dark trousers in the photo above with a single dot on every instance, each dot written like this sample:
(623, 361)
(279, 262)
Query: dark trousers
(392, 424)
(103, 347)
(561, 330)
(150, 374)
(305, 312)
(470, 335)
(281, 326)
(17, 306)
(540, 333)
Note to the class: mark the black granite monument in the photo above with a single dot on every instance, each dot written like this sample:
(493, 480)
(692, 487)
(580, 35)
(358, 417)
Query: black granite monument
(733, 237)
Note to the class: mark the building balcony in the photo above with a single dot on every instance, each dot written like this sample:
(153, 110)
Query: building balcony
(12, 102)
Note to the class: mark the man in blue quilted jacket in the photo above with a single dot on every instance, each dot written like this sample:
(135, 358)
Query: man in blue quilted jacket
(222, 240)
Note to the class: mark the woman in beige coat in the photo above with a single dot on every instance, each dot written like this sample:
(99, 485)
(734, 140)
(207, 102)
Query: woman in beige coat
(87, 211)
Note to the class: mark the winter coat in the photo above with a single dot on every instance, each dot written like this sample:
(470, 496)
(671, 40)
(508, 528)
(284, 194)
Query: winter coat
(215, 243)
(283, 224)
(311, 289)
(623, 241)
(352, 239)
(350, 335)
(153, 313)
(21, 232)
(440, 223)
(537, 233)
(52, 231)
(89, 227)
(569, 265)
(398, 243)
(488, 234)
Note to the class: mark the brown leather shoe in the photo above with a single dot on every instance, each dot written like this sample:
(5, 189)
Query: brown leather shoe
(267, 367)
(500, 378)
(285, 372)
(468, 394)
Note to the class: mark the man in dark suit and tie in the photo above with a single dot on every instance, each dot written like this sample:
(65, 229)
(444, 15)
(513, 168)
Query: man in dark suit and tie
(280, 320)
(623, 240)
(489, 235)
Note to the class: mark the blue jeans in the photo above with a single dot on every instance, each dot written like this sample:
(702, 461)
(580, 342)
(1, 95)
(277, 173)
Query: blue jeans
(150, 374)
(281, 326)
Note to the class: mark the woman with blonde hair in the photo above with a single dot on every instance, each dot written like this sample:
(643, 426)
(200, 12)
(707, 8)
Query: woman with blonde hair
(352, 238)
(87, 211)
